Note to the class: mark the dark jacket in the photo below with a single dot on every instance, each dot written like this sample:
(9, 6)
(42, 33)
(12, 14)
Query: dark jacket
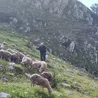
(42, 49)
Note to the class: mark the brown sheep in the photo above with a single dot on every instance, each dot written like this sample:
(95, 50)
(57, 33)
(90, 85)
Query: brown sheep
(17, 57)
(47, 75)
(39, 80)
(6, 55)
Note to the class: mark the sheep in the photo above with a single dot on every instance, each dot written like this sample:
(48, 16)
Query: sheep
(11, 50)
(39, 64)
(26, 61)
(17, 57)
(39, 80)
(6, 55)
(47, 75)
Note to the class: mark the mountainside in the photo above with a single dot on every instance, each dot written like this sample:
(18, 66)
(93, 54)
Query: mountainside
(68, 81)
(68, 28)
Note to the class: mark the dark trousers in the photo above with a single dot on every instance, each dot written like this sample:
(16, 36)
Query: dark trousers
(42, 56)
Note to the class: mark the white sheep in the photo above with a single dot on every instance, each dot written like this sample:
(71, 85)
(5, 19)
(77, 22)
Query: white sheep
(26, 61)
(42, 65)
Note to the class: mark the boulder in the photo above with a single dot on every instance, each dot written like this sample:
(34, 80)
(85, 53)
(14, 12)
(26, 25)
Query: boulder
(4, 95)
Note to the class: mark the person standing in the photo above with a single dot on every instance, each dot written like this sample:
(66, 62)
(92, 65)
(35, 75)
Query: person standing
(42, 49)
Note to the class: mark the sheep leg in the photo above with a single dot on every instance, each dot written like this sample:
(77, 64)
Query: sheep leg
(9, 59)
(31, 84)
(42, 88)
(1, 57)
(49, 89)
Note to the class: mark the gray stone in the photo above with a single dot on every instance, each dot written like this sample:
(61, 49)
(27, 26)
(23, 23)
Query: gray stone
(72, 46)
(4, 79)
(1, 65)
(4, 95)
(70, 92)
(64, 85)
(11, 67)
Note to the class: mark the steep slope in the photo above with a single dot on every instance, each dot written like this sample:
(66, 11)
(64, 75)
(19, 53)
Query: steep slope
(68, 81)
(66, 24)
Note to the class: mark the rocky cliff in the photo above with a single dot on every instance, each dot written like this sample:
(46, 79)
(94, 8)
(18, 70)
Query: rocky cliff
(68, 28)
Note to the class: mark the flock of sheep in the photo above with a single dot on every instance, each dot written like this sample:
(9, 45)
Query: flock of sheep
(43, 78)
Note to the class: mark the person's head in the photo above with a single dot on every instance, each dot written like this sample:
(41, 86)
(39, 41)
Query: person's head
(42, 43)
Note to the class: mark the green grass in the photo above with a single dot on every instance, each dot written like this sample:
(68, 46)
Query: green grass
(68, 82)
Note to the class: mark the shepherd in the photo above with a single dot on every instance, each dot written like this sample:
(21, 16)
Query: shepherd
(42, 49)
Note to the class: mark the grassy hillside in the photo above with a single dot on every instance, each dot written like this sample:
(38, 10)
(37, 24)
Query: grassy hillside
(68, 81)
